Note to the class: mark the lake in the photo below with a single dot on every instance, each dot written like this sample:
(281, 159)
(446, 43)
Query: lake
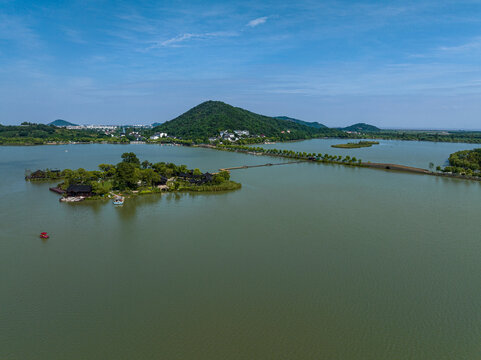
(306, 261)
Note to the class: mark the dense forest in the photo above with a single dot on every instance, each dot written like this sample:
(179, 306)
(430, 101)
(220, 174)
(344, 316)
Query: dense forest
(209, 118)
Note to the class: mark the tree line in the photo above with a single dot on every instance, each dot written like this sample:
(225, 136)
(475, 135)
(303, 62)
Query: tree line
(298, 155)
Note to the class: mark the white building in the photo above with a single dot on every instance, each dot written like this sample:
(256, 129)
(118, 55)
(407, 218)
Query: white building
(157, 136)
(241, 132)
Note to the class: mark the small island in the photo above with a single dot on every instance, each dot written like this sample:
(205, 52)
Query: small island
(464, 162)
(360, 144)
(132, 177)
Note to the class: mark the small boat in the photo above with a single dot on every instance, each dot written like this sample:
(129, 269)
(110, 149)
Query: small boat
(44, 235)
(119, 200)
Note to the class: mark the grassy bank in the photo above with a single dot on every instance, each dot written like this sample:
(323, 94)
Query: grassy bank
(225, 186)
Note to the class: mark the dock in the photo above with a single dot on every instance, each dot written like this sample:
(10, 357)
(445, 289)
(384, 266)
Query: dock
(57, 190)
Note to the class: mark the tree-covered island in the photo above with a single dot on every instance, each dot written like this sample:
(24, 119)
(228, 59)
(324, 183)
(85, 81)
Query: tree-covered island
(360, 144)
(465, 162)
(131, 176)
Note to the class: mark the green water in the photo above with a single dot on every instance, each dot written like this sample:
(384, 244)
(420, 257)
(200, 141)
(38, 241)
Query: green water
(306, 261)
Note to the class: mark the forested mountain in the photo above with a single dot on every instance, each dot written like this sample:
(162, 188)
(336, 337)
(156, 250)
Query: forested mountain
(362, 127)
(211, 117)
(302, 122)
(60, 122)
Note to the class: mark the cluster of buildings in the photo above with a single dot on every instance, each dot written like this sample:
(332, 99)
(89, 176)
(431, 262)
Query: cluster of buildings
(136, 135)
(92, 127)
(231, 136)
(158, 136)
(196, 179)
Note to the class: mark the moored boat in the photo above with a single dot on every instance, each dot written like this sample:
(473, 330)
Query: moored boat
(44, 235)
(119, 200)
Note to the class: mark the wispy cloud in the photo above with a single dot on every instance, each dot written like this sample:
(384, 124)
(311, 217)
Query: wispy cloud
(256, 22)
(475, 44)
(177, 40)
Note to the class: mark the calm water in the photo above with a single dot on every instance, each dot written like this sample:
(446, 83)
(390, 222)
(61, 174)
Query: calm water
(306, 261)
(411, 153)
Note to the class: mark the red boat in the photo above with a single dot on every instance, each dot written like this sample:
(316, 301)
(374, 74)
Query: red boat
(44, 235)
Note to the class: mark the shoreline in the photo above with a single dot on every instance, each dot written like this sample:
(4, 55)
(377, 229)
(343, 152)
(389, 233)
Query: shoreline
(204, 145)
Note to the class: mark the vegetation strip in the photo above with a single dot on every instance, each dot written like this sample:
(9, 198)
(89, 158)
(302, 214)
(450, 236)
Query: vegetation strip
(360, 144)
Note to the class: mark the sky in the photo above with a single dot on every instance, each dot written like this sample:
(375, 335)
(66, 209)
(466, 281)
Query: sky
(394, 64)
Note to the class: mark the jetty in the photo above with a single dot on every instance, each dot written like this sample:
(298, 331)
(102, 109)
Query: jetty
(261, 165)
(377, 166)
(396, 167)
(381, 166)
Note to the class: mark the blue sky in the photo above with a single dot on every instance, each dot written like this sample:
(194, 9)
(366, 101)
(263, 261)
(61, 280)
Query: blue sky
(406, 64)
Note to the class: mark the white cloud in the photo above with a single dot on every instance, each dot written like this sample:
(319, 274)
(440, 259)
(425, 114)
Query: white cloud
(258, 21)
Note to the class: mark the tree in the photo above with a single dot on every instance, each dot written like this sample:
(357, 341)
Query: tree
(221, 177)
(131, 158)
(127, 175)
(108, 170)
(146, 164)
(197, 172)
(149, 177)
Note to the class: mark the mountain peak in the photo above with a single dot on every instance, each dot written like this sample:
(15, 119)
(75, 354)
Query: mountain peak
(362, 127)
(60, 122)
(210, 117)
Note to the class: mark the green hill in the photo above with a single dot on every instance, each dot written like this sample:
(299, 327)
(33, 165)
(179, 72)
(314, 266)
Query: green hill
(361, 127)
(209, 118)
(60, 122)
(302, 122)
